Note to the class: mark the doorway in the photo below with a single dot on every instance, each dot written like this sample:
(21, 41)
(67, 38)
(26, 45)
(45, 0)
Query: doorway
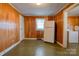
(71, 25)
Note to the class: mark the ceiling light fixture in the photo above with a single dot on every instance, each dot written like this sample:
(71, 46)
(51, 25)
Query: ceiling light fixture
(38, 3)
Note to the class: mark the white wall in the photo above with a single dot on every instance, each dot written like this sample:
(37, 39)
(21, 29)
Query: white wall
(21, 27)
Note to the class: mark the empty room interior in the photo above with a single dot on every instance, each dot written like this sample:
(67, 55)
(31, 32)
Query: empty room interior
(39, 29)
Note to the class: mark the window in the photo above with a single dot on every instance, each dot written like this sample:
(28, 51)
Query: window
(39, 24)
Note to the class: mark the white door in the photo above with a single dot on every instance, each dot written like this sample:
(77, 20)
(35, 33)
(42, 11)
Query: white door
(21, 27)
(49, 35)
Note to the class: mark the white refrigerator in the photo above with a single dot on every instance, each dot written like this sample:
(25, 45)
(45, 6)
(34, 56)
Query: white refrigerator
(49, 31)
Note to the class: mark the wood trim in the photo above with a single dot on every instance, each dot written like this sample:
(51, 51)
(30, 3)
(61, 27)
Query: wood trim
(59, 43)
(15, 9)
(62, 8)
(30, 38)
(65, 30)
(33, 38)
(71, 7)
(10, 48)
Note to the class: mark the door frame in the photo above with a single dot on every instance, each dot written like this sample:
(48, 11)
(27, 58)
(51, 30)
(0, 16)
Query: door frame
(65, 18)
(21, 27)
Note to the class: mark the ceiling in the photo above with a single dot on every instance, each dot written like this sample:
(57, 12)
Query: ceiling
(45, 9)
(74, 11)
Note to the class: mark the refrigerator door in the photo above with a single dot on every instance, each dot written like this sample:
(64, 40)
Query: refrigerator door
(49, 23)
(49, 35)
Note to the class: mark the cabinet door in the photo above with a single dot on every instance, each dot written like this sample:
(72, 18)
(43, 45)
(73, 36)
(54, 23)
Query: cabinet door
(73, 37)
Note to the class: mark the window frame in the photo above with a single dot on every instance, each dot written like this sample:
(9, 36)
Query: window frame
(36, 24)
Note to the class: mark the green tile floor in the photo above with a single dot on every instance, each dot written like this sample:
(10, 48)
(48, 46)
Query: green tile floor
(41, 48)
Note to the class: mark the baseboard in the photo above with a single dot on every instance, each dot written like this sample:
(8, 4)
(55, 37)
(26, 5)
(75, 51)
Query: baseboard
(59, 43)
(42, 38)
(8, 49)
(30, 38)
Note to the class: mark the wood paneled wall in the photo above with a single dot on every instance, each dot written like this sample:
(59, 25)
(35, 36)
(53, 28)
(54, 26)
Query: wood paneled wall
(59, 27)
(30, 26)
(9, 26)
(73, 21)
(50, 18)
(59, 24)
